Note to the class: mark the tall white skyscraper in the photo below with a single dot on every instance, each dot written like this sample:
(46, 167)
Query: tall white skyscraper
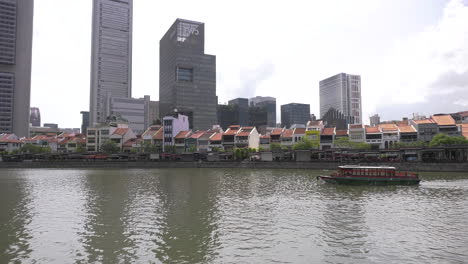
(16, 33)
(342, 93)
(111, 55)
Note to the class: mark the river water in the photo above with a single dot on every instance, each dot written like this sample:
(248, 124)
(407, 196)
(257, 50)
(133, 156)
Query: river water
(227, 216)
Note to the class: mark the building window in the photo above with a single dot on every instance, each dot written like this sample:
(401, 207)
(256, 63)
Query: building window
(184, 74)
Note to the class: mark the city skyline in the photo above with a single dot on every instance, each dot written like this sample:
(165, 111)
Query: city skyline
(253, 67)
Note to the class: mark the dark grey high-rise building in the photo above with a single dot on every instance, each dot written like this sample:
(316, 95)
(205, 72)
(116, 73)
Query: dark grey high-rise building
(84, 121)
(16, 32)
(294, 113)
(111, 55)
(242, 110)
(187, 76)
(269, 104)
(35, 117)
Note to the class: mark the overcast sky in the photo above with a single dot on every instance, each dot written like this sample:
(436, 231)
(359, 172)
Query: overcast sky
(412, 55)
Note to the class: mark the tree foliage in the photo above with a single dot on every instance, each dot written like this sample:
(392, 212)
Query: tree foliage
(241, 153)
(110, 147)
(443, 139)
(306, 144)
(275, 146)
(344, 142)
(34, 149)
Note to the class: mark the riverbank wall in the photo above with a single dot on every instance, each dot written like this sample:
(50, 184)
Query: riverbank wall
(409, 166)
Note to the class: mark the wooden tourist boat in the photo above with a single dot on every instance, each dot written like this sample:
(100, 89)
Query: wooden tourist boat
(368, 175)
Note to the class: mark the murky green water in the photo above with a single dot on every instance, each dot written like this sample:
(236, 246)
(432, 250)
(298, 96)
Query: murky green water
(227, 216)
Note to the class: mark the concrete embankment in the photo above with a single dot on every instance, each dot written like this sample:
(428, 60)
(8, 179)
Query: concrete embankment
(445, 167)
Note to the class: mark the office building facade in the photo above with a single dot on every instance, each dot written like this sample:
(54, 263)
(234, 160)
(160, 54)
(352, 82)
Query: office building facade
(294, 113)
(16, 32)
(35, 117)
(111, 55)
(187, 76)
(269, 104)
(342, 93)
(135, 111)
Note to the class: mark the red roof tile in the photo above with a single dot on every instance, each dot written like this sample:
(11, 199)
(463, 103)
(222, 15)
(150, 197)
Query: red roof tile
(407, 129)
(243, 134)
(159, 134)
(182, 134)
(198, 134)
(216, 137)
(370, 130)
(444, 120)
(341, 132)
(298, 131)
(234, 127)
(120, 131)
(356, 126)
(315, 123)
(388, 127)
(230, 132)
(424, 121)
(265, 136)
(287, 133)
(329, 131)
(151, 131)
(277, 132)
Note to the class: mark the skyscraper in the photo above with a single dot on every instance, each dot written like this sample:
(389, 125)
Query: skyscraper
(35, 117)
(269, 104)
(342, 93)
(111, 55)
(187, 76)
(16, 32)
(294, 113)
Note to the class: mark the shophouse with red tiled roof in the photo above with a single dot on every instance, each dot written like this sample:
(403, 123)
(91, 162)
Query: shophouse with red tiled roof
(133, 144)
(275, 135)
(229, 137)
(216, 141)
(407, 134)
(9, 142)
(390, 135)
(298, 134)
(374, 136)
(180, 141)
(357, 133)
(426, 128)
(447, 125)
(247, 137)
(327, 138)
(287, 138)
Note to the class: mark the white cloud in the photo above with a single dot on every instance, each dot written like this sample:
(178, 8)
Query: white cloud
(425, 67)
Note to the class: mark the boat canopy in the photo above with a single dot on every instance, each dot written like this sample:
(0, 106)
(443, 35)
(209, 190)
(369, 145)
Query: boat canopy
(352, 167)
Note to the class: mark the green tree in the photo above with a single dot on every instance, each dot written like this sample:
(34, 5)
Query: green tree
(275, 146)
(305, 144)
(344, 142)
(169, 149)
(81, 149)
(443, 139)
(110, 147)
(33, 149)
(192, 149)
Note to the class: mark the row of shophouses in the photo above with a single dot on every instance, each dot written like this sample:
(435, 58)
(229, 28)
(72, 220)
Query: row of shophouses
(174, 136)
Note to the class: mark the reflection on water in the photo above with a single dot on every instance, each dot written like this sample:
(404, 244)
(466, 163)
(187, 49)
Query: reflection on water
(227, 216)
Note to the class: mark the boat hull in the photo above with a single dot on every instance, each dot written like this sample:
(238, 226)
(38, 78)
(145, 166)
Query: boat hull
(369, 181)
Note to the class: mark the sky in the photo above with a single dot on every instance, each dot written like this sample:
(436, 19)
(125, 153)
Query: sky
(412, 55)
